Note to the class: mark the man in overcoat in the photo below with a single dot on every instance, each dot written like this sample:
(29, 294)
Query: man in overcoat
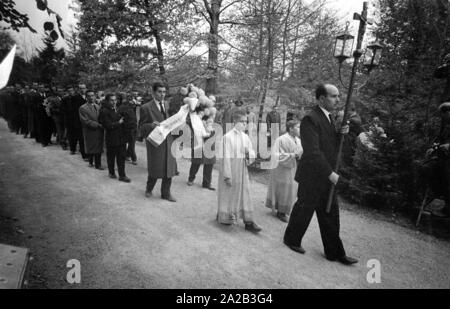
(73, 123)
(161, 162)
(92, 130)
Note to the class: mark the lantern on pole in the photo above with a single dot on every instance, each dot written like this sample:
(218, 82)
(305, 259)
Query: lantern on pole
(343, 46)
(372, 56)
(342, 51)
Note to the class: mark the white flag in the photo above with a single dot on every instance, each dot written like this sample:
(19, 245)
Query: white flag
(6, 67)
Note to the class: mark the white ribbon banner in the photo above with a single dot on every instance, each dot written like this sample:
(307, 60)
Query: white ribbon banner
(6, 67)
(159, 134)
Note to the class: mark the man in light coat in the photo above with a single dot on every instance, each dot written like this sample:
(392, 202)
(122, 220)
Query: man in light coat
(92, 130)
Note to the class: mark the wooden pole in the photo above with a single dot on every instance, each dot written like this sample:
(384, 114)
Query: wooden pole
(356, 55)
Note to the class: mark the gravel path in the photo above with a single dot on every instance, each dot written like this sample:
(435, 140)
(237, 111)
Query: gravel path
(61, 209)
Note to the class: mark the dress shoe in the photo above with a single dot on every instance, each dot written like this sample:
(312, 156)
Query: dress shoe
(113, 176)
(252, 227)
(169, 198)
(346, 260)
(282, 217)
(177, 173)
(209, 188)
(125, 179)
(148, 194)
(298, 249)
(190, 183)
(100, 168)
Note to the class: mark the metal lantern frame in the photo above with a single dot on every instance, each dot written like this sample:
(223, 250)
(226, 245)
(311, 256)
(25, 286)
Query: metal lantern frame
(343, 46)
(372, 55)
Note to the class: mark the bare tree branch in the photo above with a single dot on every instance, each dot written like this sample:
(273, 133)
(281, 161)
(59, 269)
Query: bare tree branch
(227, 6)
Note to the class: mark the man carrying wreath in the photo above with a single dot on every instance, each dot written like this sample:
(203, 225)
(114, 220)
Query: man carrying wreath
(161, 163)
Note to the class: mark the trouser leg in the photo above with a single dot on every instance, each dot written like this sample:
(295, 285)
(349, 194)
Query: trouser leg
(298, 223)
(81, 142)
(132, 146)
(98, 160)
(207, 175)
(110, 158)
(120, 157)
(46, 131)
(165, 187)
(329, 230)
(72, 139)
(193, 171)
(151, 182)
(59, 129)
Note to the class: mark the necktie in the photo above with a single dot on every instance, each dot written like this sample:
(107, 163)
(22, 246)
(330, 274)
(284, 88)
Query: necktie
(331, 120)
(162, 110)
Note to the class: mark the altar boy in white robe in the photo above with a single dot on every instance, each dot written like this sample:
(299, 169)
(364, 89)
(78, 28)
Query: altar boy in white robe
(286, 152)
(234, 182)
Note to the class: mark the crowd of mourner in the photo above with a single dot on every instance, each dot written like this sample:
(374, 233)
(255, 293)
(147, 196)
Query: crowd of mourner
(85, 122)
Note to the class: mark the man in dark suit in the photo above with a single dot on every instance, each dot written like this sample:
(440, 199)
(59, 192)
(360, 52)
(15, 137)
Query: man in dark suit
(161, 163)
(73, 123)
(115, 140)
(315, 176)
(128, 111)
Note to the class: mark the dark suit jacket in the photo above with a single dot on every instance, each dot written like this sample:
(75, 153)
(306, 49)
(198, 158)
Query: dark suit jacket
(320, 144)
(109, 119)
(273, 117)
(160, 161)
(72, 115)
(127, 111)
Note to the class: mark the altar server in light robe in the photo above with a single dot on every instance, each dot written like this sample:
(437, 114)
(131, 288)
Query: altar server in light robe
(234, 183)
(286, 152)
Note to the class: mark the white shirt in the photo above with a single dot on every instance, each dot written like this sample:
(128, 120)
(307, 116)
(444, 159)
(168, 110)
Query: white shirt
(158, 105)
(327, 113)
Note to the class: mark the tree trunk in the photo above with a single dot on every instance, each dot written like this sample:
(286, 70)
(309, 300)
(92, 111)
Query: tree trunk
(261, 35)
(294, 51)
(162, 70)
(269, 60)
(269, 64)
(213, 56)
(285, 37)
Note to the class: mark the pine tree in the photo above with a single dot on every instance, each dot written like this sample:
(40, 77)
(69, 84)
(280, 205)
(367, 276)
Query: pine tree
(48, 60)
